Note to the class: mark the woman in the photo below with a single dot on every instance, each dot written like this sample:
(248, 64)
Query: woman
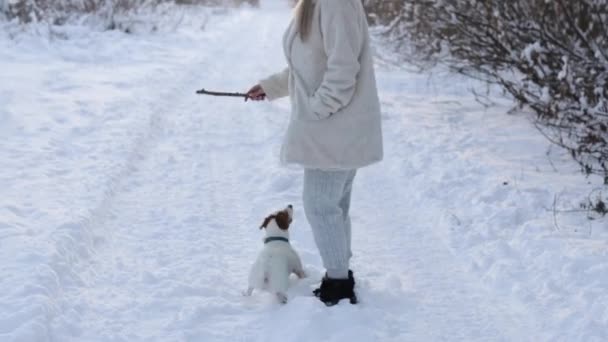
(334, 127)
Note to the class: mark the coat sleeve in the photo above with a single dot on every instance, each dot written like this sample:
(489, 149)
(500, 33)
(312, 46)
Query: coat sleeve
(343, 42)
(276, 86)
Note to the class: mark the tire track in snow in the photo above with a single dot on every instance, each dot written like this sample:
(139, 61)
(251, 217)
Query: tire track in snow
(77, 243)
(174, 122)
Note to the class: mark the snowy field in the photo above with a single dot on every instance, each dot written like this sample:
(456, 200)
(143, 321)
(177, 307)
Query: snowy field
(130, 207)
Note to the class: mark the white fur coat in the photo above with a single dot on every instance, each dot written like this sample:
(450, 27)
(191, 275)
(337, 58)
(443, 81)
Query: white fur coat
(335, 121)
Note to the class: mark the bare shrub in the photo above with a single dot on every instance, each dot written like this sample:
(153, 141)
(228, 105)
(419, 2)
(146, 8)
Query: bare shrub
(551, 56)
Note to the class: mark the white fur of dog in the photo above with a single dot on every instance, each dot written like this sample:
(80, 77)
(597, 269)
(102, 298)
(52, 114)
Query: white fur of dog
(278, 259)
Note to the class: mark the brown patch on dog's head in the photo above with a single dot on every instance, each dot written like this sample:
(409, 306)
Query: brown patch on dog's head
(282, 218)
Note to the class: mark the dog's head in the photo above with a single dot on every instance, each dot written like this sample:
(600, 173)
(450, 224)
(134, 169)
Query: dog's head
(282, 218)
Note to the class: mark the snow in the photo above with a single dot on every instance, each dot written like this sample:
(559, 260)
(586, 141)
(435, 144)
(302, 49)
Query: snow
(130, 206)
(531, 51)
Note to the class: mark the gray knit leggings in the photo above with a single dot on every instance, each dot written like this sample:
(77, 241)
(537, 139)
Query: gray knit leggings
(326, 205)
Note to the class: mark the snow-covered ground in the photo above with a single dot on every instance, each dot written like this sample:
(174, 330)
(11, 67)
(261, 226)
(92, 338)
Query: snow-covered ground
(129, 206)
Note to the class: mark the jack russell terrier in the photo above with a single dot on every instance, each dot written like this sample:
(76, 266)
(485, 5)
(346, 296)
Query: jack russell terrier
(278, 259)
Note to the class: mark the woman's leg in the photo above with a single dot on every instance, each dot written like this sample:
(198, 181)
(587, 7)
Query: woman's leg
(324, 193)
(345, 205)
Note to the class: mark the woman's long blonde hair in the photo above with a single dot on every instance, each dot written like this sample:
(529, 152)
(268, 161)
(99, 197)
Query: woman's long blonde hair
(304, 11)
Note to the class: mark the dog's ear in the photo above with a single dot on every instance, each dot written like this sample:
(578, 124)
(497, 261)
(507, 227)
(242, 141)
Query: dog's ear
(282, 219)
(267, 221)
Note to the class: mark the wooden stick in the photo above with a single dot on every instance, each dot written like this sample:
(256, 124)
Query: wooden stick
(218, 93)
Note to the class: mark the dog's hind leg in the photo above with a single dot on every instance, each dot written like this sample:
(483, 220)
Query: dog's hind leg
(296, 265)
(256, 277)
(278, 279)
(298, 269)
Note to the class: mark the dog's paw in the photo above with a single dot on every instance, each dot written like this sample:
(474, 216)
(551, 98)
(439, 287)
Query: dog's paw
(247, 292)
(300, 274)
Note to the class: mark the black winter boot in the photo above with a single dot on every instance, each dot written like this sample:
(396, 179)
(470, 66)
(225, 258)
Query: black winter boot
(333, 290)
(317, 291)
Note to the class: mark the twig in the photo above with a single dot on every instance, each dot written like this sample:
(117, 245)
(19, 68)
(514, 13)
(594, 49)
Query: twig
(555, 213)
(219, 93)
(484, 100)
(548, 154)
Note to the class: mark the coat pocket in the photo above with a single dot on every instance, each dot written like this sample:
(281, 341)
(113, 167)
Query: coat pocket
(301, 104)
(304, 111)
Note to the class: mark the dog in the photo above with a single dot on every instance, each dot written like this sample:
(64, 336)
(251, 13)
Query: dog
(278, 259)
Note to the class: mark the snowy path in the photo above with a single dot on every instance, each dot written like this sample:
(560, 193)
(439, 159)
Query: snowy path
(182, 233)
(140, 219)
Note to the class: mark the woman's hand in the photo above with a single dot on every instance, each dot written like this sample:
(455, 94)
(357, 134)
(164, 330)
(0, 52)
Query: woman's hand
(256, 93)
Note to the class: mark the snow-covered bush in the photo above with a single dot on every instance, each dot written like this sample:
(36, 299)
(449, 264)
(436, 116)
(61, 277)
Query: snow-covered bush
(111, 12)
(382, 12)
(60, 11)
(551, 56)
(218, 2)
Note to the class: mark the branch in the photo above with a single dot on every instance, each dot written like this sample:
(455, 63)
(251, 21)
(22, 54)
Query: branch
(219, 93)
